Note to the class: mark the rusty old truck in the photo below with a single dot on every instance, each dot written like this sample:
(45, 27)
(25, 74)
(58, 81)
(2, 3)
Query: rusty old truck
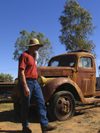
(68, 78)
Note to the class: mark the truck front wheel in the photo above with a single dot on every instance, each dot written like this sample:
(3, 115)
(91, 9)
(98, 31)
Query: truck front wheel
(62, 106)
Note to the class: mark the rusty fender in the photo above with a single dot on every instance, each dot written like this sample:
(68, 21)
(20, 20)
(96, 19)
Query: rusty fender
(51, 87)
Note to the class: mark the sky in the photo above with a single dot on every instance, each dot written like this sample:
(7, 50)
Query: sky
(40, 16)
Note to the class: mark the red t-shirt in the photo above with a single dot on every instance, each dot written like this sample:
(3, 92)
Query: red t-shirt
(27, 62)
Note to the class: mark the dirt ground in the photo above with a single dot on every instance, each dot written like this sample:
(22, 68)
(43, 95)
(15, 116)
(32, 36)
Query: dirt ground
(85, 120)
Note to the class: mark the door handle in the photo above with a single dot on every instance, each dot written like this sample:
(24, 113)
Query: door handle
(92, 74)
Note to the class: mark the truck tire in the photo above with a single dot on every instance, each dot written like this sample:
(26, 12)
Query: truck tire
(17, 108)
(61, 106)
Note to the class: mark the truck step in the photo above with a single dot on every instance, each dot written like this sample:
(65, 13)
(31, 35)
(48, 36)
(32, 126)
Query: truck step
(92, 100)
(97, 93)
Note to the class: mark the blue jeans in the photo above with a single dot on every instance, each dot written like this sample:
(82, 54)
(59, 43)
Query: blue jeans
(36, 93)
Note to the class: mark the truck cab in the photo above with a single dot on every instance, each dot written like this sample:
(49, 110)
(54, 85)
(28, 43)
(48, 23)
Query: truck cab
(83, 69)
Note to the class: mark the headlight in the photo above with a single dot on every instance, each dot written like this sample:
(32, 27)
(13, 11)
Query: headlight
(42, 80)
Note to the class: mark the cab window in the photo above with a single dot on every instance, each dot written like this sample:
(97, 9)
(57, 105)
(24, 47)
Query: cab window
(85, 62)
(65, 61)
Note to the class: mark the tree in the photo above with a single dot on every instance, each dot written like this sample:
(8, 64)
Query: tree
(77, 27)
(45, 52)
(6, 77)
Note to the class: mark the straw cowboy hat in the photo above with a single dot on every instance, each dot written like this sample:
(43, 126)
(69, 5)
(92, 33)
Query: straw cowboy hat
(34, 42)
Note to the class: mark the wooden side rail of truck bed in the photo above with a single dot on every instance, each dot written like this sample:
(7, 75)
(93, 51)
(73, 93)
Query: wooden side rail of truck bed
(6, 86)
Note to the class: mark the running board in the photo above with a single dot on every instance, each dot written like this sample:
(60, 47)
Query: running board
(91, 100)
(97, 93)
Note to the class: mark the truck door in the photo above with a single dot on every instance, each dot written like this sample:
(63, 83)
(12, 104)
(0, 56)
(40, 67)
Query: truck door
(86, 76)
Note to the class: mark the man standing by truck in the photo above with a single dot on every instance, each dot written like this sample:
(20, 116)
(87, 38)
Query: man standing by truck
(29, 87)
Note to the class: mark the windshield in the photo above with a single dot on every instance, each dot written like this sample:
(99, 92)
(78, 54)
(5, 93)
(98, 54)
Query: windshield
(68, 61)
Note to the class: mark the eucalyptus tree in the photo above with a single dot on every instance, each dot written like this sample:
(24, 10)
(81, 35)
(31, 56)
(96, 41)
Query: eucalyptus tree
(6, 77)
(77, 27)
(45, 52)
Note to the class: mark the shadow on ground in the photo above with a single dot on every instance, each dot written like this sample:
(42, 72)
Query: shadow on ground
(83, 109)
(8, 131)
(12, 117)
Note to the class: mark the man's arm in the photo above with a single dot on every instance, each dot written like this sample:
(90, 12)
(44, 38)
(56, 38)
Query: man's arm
(23, 81)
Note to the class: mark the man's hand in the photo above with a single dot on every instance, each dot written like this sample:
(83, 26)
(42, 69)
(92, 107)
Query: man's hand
(26, 91)
(23, 81)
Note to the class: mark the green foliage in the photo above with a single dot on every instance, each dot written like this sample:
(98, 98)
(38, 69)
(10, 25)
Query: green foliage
(77, 27)
(45, 52)
(6, 77)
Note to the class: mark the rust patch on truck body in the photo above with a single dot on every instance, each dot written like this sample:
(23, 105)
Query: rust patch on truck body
(54, 71)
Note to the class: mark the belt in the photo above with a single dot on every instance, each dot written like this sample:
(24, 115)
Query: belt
(29, 79)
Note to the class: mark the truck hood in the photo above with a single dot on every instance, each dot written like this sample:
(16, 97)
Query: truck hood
(54, 71)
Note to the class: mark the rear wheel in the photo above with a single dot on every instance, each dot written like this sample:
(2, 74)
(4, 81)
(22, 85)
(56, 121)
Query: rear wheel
(62, 106)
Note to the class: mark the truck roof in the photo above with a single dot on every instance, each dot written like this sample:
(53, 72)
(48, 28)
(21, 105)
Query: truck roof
(76, 53)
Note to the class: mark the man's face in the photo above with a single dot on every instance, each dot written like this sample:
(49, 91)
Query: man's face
(35, 48)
